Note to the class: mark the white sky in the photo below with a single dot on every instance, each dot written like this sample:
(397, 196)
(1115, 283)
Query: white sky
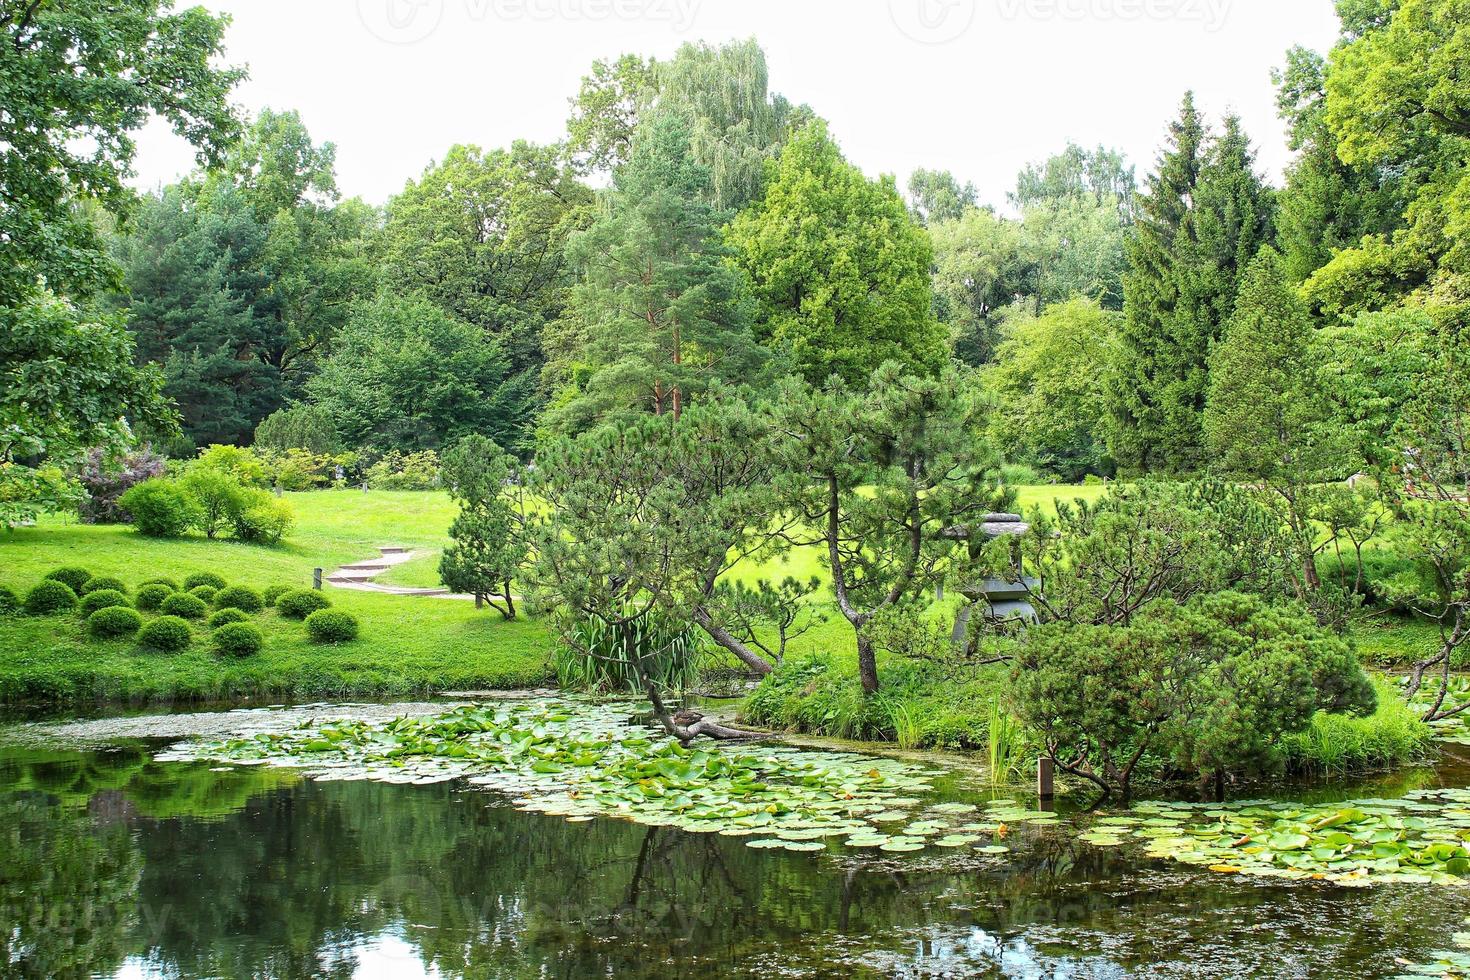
(979, 87)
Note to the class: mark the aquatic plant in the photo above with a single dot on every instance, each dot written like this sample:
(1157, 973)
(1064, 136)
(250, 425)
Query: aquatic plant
(597, 655)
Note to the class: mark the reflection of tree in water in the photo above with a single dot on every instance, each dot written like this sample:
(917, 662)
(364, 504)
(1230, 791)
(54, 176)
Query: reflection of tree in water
(67, 890)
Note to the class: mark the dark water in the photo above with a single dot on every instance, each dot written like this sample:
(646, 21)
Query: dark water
(112, 865)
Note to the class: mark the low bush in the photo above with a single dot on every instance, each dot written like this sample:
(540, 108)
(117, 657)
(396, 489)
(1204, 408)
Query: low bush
(9, 601)
(50, 597)
(331, 626)
(168, 634)
(300, 603)
(75, 578)
(112, 622)
(106, 478)
(263, 519)
(240, 597)
(169, 583)
(160, 508)
(217, 495)
(226, 616)
(595, 655)
(150, 597)
(184, 605)
(237, 639)
(272, 593)
(203, 578)
(204, 593)
(101, 599)
(99, 582)
(396, 471)
(1337, 744)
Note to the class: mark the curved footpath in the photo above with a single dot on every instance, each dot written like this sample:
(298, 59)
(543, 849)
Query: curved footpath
(360, 575)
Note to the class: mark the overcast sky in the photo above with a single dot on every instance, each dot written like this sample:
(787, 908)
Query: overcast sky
(979, 87)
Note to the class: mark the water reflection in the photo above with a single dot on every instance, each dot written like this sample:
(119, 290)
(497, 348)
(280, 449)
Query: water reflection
(114, 865)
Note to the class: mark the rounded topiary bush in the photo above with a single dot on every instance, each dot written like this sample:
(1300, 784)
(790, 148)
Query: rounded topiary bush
(150, 597)
(51, 596)
(112, 622)
(163, 580)
(160, 508)
(274, 592)
(185, 605)
(9, 601)
(300, 603)
(101, 599)
(167, 633)
(331, 626)
(97, 583)
(237, 639)
(73, 576)
(240, 597)
(226, 616)
(203, 578)
(204, 593)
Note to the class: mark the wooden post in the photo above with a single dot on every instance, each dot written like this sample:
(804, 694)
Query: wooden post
(316, 578)
(479, 601)
(1045, 778)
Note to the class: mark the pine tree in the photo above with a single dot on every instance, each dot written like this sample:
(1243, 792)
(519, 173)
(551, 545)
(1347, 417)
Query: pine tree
(660, 314)
(1138, 391)
(488, 549)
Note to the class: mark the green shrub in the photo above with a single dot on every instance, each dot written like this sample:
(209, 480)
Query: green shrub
(396, 471)
(160, 508)
(263, 519)
(151, 596)
(1020, 474)
(240, 597)
(300, 603)
(112, 622)
(99, 582)
(203, 578)
(163, 580)
(595, 655)
(237, 639)
(217, 495)
(101, 599)
(1335, 744)
(272, 593)
(204, 593)
(227, 615)
(166, 633)
(49, 597)
(9, 601)
(184, 605)
(331, 626)
(75, 578)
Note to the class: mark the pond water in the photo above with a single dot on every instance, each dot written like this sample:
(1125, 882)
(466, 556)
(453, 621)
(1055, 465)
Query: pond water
(116, 864)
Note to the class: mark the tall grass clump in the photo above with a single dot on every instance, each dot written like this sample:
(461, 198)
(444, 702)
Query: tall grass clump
(1335, 744)
(598, 656)
(1005, 744)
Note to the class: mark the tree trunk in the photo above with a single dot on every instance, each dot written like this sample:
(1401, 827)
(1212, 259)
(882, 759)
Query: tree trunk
(686, 725)
(867, 664)
(510, 603)
(727, 640)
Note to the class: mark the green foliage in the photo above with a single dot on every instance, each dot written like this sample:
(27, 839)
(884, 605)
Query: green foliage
(184, 605)
(1212, 686)
(611, 657)
(50, 597)
(240, 597)
(489, 546)
(227, 615)
(1335, 744)
(839, 269)
(305, 427)
(164, 581)
(605, 111)
(271, 593)
(659, 313)
(1048, 384)
(160, 508)
(937, 196)
(98, 582)
(403, 374)
(114, 622)
(195, 579)
(217, 498)
(166, 634)
(150, 597)
(331, 626)
(300, 603)
(980, 267)
(9, 601)
(237, 640)
(107, 476)
(404, 471)
(204, 593)
(74, 578)
(262, 518)
(101, 599)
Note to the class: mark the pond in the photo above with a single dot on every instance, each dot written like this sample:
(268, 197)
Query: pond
(123, 858)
